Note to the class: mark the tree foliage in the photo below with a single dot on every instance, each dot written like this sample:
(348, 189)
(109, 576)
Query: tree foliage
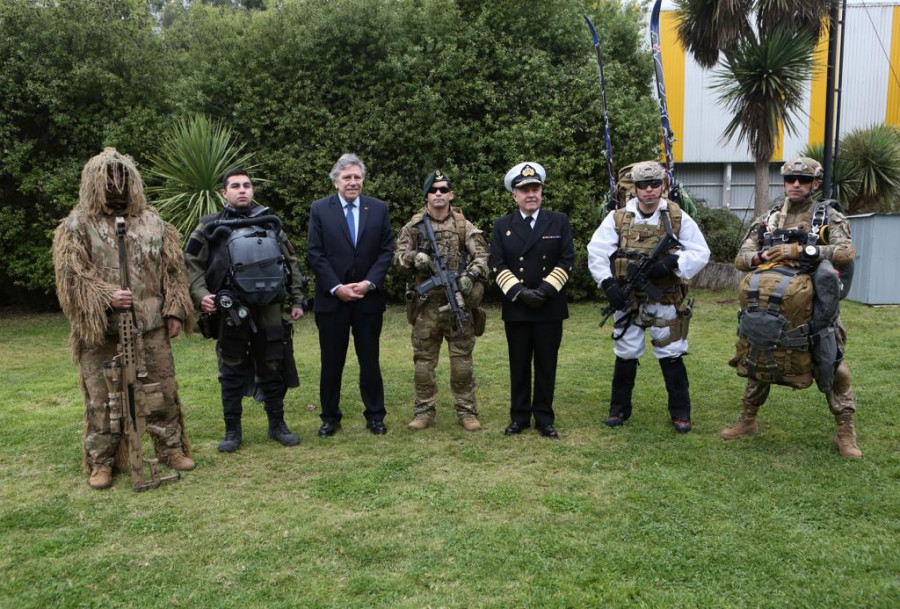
(468, 87)
(76, 76)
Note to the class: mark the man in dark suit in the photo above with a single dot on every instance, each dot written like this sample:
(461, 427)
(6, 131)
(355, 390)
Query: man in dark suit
(532, 255)
(349, 250)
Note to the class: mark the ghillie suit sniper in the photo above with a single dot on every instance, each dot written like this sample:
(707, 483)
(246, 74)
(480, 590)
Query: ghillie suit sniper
(85, 258)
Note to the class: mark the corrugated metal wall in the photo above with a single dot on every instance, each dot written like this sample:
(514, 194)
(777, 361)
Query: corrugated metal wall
(877, 256)
(709, 181)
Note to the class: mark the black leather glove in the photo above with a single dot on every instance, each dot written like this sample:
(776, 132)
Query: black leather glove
(663, 267)
(533, 299)
(614, 293)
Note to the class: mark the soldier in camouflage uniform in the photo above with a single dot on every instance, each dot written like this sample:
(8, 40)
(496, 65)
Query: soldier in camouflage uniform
(802, 177)
(86, 260)
(464, 247)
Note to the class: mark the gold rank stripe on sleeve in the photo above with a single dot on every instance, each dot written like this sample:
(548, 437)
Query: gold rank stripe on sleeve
(506, 280)
(557, 278)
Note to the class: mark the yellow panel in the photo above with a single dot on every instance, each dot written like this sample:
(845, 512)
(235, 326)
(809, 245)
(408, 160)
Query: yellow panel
(819, 89)
(673, 73)
(892, 112)
(778, 153)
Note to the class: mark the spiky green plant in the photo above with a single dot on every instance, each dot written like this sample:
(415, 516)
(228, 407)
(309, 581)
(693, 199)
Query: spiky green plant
(843, 181)
(867, 174)
(188, 169)
(873, 159)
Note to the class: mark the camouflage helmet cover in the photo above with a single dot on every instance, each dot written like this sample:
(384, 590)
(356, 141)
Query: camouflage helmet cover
(647, 170)
(802, 166)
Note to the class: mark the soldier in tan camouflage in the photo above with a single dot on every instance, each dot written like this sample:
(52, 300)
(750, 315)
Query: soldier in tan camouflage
(802, 177)
(85, 257)
(466, 250)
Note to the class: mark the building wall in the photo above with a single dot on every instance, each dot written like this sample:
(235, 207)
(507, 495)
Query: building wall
(871, 88)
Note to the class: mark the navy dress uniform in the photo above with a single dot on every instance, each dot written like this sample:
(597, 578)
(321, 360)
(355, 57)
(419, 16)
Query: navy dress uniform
(531, 255)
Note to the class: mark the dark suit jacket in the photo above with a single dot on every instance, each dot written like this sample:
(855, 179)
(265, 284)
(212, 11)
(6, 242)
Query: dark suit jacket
(532, 254)
(334, 260)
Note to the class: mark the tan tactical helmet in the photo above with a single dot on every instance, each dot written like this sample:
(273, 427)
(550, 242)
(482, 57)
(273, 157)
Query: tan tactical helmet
(802, 166)
(647, 170)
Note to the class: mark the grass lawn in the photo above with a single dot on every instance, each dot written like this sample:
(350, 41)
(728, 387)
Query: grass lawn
(632, 517)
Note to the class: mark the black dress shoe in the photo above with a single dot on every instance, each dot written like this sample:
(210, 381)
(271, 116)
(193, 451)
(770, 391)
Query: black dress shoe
(548, 431)
(376, 427)
(328, 429)
(516, 428)
(614, 420)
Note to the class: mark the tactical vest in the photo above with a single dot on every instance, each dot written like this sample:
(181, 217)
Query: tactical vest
(247, 249)
(640, 239)
(452, 241)
(786, 323)
(816, 233)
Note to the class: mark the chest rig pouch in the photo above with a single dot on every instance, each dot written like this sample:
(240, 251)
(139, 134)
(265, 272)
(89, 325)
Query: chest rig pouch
(637, 240)
(773, 327)
(818, 234)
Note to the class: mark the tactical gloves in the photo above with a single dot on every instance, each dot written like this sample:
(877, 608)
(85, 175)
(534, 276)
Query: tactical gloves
(663, 267)
(787, 251)
(423, 263)
(614, 293)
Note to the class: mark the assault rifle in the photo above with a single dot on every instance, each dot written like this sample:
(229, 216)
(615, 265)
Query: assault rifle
(443, 277)
(636, 279)
(129, 397)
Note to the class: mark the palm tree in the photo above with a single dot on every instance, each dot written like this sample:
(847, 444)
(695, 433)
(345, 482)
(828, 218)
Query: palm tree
(193, 157)
(765, 65)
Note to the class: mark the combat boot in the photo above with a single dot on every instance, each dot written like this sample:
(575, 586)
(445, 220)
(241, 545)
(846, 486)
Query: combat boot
(470, 422)
(845, 438)
(422, 421)
(101, 477)
(278, 431)
(233, 436)
(181, 462)
(745, 425)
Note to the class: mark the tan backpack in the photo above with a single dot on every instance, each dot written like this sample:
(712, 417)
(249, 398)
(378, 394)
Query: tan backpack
(773, 327)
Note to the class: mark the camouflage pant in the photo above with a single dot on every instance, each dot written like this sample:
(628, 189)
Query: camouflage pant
(431, 328)
(840, 397)
(100, 443)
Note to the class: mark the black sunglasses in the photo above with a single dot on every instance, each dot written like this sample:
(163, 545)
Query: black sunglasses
(441, 189)
(801, 179)
(645, 183)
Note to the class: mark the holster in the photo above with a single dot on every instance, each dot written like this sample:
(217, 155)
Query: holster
(412, 304)
(288, 367)
(209, 325)
(479, 320)
(678, 327)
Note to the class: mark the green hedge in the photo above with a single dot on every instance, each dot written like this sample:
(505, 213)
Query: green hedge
(466, 86)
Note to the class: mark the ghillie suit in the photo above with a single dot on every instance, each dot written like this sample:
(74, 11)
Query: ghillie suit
(85, 258)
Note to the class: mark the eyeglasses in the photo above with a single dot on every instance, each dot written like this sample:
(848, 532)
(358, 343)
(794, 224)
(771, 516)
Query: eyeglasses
(648, 184)
(801, 179)
(441, 189)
